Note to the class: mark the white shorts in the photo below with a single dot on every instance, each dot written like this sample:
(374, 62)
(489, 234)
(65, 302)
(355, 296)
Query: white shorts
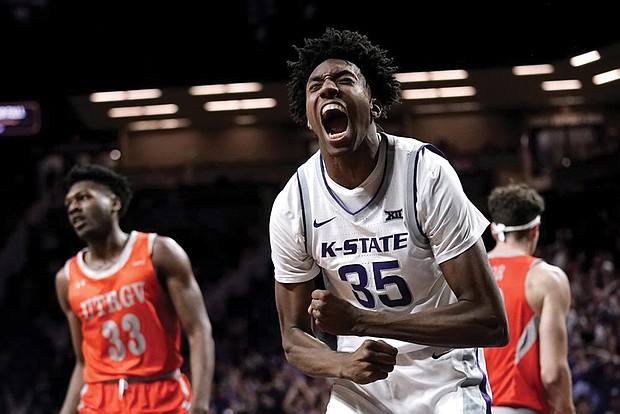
(451, 383)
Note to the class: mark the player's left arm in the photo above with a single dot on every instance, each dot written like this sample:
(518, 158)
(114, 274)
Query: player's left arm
(174, 264)
(476, 319)
(479, 310)
(454, 228)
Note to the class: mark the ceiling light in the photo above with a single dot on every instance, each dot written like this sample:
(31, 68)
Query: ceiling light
(148, 110)
(606, 77)
(527, 70)
(433, 76)
(432, 93)
(561, 85)
(585, 58)
(240, 104)
(116, 96)
(226, 88)
(115, 155)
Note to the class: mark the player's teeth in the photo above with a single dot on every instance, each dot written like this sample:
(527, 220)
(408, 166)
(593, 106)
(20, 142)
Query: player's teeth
(330, 107)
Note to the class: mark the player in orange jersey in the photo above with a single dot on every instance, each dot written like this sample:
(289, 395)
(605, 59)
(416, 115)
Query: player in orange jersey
(126, 296)
(531, 374)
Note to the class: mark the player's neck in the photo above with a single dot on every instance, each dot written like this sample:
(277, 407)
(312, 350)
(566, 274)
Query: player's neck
(110, 247)
(511, 248)
(352, 169)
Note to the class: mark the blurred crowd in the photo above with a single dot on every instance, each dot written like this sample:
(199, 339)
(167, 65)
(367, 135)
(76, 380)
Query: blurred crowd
(593, 327)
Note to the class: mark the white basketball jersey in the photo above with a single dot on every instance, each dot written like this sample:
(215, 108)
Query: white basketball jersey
(384, 256)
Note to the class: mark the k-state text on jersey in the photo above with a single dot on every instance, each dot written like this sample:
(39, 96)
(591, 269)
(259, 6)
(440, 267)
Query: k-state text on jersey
(362, 245)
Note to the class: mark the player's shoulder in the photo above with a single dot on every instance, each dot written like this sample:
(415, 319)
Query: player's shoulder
(424, 151)
(286, 201)
(289, 194)
(290, 186)
(161, 241)
(544, 266)
(549, 276)
(405, 143)
(166, 248)
(61, 273)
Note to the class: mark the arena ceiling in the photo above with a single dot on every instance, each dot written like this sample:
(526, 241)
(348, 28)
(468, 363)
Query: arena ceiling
(58, 54)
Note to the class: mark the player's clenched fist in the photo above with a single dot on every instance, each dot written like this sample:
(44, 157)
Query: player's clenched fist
(372, 361)
(333, 314)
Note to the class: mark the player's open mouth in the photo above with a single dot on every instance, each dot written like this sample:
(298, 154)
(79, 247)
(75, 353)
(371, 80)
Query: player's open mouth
(78, 221)
(335, 120)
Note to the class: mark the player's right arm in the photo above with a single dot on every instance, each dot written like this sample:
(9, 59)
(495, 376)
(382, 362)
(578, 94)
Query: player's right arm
(295, 273)
(372, 361)
(72, 396)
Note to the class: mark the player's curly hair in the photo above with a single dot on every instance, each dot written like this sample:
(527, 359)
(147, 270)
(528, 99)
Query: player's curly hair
(117, 183)
(515, 204)
(348, 45)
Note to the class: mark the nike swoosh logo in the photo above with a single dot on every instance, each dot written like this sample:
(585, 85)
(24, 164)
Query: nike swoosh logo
(318, 224)
(439, 355)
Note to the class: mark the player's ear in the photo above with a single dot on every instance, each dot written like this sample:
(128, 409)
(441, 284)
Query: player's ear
(375, 108)
(117, 204)
(497, 233)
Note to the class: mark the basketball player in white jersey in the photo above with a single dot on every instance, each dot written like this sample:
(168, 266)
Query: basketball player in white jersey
(384, 223)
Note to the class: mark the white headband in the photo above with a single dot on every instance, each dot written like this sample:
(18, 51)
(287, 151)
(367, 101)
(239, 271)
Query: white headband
(500, 228)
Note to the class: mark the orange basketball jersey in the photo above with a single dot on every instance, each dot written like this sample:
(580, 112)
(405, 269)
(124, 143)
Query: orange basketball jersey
(129, 326)
(514, 370)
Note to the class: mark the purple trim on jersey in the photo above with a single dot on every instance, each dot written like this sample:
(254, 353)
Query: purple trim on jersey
(415, 180)
(335, 197)
(303, 212)
(483, 384)
(415, 189)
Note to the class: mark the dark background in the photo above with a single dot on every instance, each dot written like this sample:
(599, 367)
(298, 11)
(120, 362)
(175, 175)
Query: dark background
(56, 49)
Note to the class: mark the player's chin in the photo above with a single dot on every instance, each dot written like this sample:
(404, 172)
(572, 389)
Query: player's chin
(341, 141)
(82, 231)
